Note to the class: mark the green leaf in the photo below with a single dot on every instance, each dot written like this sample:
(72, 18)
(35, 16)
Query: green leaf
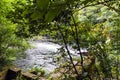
(52, 13)
(37, 15)
(43, 4)
(58, 3)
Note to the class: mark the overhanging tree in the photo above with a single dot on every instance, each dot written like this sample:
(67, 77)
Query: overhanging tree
(39, 14)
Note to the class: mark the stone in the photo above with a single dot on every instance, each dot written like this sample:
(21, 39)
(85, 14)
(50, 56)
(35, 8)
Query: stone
(13, 73)
(29, 76)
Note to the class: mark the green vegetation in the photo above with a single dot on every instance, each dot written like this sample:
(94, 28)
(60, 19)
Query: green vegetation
(10, 44)
(90, 24)
(38, 71)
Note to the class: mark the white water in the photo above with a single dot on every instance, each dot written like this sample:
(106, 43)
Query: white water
(40, 55)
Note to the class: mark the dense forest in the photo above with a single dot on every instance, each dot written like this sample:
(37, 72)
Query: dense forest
(93, 25)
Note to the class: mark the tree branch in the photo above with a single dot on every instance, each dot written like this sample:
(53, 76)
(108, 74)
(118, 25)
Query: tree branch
(65, 43)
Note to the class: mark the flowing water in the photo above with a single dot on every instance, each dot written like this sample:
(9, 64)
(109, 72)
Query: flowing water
(40, 55)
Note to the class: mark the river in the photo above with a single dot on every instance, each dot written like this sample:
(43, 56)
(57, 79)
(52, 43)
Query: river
(41, 55)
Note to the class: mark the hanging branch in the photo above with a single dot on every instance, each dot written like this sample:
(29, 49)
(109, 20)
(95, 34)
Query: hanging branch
(65, 43)
(77, 39)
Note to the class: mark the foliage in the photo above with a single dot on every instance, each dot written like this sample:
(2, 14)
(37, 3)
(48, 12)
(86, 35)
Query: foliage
(90, 24)
(38, 71)
(10, 44)
(74, 22)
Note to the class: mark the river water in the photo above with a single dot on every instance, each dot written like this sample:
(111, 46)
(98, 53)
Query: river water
(41, 55)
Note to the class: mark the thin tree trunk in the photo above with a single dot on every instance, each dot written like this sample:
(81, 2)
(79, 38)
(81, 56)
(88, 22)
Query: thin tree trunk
(78, 45)
(65, 43)
(77, 40)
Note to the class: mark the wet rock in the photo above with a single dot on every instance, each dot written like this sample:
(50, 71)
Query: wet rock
(29, 76)
(13, 73)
